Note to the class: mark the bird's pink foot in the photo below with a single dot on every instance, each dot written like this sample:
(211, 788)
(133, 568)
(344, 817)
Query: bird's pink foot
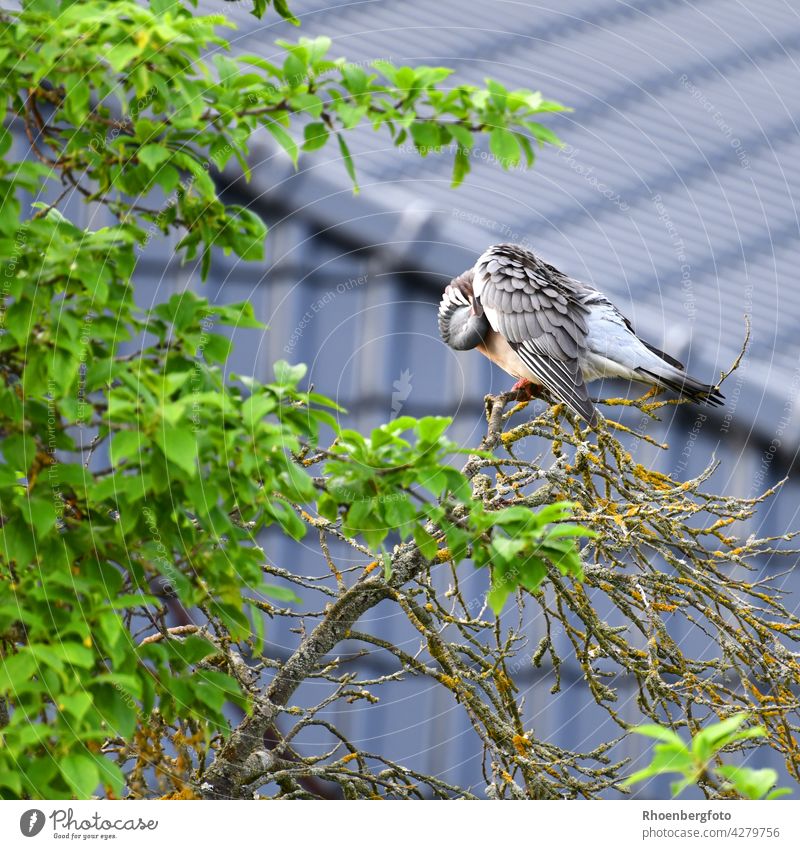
(526, 390)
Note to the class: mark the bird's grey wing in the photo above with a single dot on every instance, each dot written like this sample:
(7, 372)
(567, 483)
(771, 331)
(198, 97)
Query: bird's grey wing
(604, 304)
(541, 313)
(645, 362)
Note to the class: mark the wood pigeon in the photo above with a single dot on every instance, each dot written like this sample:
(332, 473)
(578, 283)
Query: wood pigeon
(552, 332)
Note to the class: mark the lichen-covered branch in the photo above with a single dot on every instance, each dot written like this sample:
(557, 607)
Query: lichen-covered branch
(664, 552)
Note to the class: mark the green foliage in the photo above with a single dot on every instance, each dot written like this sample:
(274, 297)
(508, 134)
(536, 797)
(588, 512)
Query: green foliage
(82, 550)
(136, 474)
(379, 485)
(700, 759)
(280, 6)
(133, 105)
(525, 545)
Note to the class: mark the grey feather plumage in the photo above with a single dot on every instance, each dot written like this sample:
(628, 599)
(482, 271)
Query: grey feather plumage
(532, 299)
(545, 327)
(541, 313)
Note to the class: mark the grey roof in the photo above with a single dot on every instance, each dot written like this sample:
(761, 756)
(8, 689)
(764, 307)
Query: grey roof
(675, 197)
(675, 194)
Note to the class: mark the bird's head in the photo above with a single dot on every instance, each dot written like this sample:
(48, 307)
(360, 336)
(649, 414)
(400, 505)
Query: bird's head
(461, 290)
(462, 322)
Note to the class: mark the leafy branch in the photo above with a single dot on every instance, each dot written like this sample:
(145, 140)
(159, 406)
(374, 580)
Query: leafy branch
(118, 101)
(143, 488)
(699, 761)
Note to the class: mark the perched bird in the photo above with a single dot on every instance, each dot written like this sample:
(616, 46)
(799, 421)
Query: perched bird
(552, 332)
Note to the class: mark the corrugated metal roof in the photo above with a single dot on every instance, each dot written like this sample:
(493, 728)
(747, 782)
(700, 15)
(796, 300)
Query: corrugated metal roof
(675, 196)
(675, 193)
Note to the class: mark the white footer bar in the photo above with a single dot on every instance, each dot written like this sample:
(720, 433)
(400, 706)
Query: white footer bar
(336, 825)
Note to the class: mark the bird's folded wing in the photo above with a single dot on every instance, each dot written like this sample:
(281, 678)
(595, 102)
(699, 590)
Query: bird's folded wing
(561, 376)
(541, 313)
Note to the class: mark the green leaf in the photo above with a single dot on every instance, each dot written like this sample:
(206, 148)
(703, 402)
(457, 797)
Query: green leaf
(497, 597)
(328, 507)
(570, 531)
(152, 155)
(123, 55)
(179, 446)
(76, 704)
(658, 732)
(40, 513)
(217, 348)
(282, 8)
(316, 136)
(12, 781)
(706, 742)
(125, 444)
(426, 136)
(298, 485)
(284, 139)
(75, 653)
(289, 375)
(461, 167)
(666, 759)
(16, 671)
(81, 774)
(431, 428)
(280, 593)
(751, 783)
(544, 135)
(425, 542)
(110, 774)
(348, 161)
(289, 520)
(672, 755)
(193, 649)
(19, 451)
(76, 103)
(778, 793)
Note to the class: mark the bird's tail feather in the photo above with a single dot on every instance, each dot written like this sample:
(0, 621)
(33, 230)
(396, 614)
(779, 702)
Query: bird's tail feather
(685, 385)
